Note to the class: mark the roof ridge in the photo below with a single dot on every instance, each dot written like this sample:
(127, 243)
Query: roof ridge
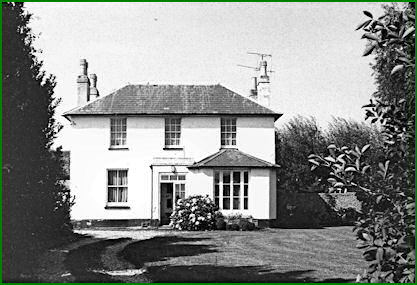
(210, 157)
(181, 99)
(165, 84)
(246, 98)
(258, 159)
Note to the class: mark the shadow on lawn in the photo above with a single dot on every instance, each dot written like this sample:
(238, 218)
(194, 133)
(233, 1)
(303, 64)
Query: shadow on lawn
(240, 274)
(81, 261)
(163, 248)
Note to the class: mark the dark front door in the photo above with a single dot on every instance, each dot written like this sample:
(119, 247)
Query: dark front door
(167, 202)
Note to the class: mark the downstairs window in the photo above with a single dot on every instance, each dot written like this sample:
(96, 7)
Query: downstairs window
(231, 190)
(116, 186)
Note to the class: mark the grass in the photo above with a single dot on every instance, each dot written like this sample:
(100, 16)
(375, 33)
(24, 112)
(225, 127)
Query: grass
(271, 255)
(274, 255)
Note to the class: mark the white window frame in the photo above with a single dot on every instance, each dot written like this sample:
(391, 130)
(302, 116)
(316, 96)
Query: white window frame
(228, 132)
(243, 200)
(172, 137)
(118, 132)
(117, 186)
(178, 180)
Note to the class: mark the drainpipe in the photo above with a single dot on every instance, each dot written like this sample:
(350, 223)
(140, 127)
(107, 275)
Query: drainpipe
(151, 195)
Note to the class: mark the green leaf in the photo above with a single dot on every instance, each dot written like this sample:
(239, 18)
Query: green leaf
(397, 68)
(369, 49)
(331, 180)
(363, 24)
(370, 36)
(338, 184)
(330, 159)
(408, 31)
(368, 105)
(340, 158)
(358, 164)
(368, 14)
(350, 169)
(365, 148)
(386, 165)
(378, 242)
(332, 146)
(380, 254)
(313, 162)
(381, 166)
(404, 59)
(365, 168)
(357, 149)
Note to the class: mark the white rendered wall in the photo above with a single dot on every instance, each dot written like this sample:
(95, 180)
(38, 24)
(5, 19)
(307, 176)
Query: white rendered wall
(259, 194)
(200, 137)
(256, 136)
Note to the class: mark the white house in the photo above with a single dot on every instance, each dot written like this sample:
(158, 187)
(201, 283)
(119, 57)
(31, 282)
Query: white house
(137, 150)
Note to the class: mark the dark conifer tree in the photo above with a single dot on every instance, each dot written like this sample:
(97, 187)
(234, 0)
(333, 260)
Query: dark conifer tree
(35, 200)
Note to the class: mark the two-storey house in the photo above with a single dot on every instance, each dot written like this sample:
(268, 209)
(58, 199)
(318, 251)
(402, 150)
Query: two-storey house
(137, 150)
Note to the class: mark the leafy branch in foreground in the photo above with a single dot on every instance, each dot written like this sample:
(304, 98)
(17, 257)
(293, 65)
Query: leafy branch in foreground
(386, 228)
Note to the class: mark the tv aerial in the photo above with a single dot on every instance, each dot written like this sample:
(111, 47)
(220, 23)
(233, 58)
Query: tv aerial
(262, 62)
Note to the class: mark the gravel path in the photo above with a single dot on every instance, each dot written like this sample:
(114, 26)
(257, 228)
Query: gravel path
(132, 233)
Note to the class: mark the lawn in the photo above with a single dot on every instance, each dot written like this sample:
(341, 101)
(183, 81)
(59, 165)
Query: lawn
(271, 255)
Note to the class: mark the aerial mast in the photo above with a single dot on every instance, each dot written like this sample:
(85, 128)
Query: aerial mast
(261, 91)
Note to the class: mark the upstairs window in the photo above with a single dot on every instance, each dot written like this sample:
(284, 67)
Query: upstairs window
(228, 132)
(117, 132)
(172, 132)
(117, 186)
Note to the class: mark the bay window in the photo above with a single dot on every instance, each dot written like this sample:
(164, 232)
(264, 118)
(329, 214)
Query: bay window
(228, 186)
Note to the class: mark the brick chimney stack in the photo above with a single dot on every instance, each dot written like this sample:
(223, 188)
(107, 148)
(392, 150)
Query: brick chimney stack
(93, 87)
(83, 84)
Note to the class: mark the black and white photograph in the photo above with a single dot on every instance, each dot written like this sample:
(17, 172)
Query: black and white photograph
(208, 142)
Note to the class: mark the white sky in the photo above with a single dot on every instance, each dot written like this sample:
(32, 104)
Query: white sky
(319, 70)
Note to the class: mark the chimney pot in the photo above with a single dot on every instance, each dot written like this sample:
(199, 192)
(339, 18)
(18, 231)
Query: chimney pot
(84, 66)
(83, 84)
(93, 87)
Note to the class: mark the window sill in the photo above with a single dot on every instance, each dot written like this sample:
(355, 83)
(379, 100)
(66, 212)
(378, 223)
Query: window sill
(117, 207)
(173, 147)
(228, 146)
(118, 148)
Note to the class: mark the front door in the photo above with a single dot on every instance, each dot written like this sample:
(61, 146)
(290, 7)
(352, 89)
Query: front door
(167, 202)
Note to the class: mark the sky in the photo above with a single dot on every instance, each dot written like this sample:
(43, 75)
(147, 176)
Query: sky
(316, 52)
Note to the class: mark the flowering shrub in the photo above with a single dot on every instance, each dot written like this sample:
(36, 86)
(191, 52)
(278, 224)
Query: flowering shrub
(195, 213)
(220, 223)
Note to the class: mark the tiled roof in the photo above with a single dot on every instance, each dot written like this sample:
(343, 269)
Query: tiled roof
(173, 99)
(230, 157)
